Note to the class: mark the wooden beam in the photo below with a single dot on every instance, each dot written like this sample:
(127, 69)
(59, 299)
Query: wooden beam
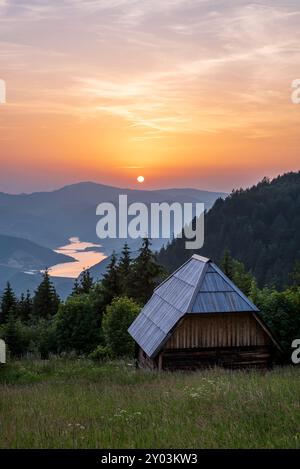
(160, 362)
(267, 331)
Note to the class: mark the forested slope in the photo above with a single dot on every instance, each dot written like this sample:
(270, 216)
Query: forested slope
(260, 226)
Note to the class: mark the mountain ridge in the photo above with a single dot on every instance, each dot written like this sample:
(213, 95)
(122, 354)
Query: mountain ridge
(51, 218)
(107, 186)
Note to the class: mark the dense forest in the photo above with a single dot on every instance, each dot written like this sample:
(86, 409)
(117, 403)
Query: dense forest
(94, 320)
(260, 227)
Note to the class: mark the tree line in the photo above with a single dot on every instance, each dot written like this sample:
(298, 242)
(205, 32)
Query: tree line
(92, 321)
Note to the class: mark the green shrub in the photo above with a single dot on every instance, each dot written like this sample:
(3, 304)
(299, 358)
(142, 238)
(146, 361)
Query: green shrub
(77, 326)
(100, 353)
(118, 317)
(280, 310)
(43, 340)
(16, 336)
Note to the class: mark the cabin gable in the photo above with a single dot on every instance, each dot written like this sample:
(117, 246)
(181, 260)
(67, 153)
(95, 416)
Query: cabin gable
(218, 330)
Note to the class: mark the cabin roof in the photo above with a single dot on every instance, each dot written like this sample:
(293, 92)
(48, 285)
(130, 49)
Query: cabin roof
(198, 286)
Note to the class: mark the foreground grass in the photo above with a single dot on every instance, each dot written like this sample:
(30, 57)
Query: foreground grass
(79, 404)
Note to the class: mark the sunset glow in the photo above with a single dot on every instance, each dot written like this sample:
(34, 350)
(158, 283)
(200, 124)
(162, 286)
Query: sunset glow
(194, 93)
(85, 257)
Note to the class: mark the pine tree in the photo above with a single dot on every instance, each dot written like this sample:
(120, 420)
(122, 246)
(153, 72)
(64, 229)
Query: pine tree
(14, 335)
(25, 307)
(227, 264)
(254, 292)
(86, 282)
(242, 278)
(97, 299)
(296, 275)
(76, 288)
(146, 273)
(111, 281)
(8, 303)
(46, 300)
(125, 271)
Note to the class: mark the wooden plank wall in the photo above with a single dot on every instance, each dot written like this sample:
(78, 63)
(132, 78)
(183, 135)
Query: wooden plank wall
(230, 357)
(218, 330)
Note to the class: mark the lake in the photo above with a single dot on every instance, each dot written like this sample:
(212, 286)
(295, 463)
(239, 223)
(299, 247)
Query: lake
(86, 255)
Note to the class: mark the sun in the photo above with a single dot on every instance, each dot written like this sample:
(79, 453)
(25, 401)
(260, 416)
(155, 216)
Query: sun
(140, 179)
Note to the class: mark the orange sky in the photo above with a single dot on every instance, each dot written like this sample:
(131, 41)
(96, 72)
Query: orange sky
(187, 93)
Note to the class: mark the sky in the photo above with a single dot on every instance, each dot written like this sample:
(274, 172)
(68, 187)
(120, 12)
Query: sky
(187, 93)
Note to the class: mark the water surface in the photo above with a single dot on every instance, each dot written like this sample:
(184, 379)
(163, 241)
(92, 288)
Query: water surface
(86, 255)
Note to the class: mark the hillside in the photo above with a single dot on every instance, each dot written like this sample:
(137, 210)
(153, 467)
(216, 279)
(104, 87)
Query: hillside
(18, 253)
(260, 226)
(18, 256)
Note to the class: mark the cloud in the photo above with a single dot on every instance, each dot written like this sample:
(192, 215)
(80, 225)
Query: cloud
(187, 66)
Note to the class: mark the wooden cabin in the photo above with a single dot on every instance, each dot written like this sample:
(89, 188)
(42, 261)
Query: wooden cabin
(198, 318)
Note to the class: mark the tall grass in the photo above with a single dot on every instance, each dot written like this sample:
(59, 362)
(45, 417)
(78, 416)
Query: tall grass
(79, 404)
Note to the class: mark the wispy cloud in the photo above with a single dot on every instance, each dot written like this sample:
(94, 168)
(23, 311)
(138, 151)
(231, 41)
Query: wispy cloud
(163, 66)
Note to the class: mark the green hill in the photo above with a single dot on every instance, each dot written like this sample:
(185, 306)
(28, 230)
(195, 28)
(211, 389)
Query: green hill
(260, 226)
(22, 254)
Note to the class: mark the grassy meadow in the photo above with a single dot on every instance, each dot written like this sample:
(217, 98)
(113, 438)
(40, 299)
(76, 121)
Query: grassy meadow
(79, 404)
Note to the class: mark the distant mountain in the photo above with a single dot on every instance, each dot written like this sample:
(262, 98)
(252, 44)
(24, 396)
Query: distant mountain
(260, 226)
(51, 218)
